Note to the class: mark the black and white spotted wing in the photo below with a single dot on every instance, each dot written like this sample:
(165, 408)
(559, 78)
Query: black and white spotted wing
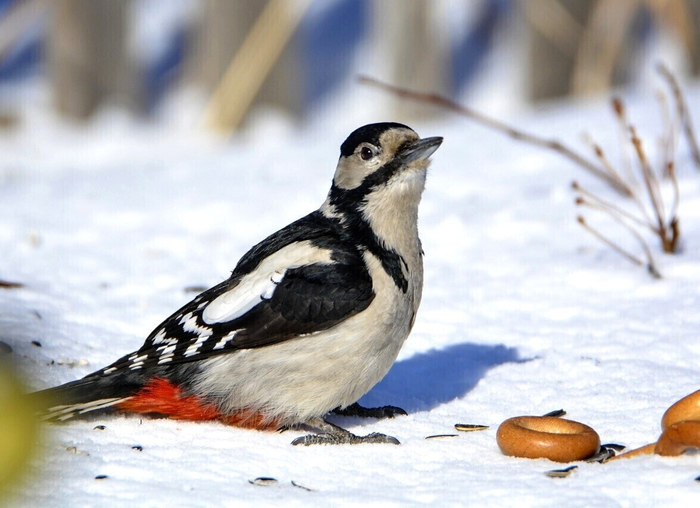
(247, 311)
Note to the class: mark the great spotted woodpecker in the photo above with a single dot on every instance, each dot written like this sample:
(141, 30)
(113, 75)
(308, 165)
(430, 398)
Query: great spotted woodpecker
(310, 320)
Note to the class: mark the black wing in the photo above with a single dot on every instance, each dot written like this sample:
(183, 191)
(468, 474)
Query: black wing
(306, 299)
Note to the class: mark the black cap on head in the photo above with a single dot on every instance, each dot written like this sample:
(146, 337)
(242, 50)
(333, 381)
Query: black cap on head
(367, 134)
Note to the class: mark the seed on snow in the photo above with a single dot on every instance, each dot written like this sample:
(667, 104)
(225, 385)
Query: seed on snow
(470, 427)
(561, 473)
(302, 487)
(263, 481)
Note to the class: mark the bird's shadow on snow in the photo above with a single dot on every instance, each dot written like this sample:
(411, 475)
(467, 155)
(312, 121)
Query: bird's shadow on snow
(428, 379)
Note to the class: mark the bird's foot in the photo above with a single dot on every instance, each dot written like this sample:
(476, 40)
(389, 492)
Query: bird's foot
(334, 435)
(349, 438)
(370, 412)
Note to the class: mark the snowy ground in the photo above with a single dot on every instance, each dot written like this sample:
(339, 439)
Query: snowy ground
(523, 313)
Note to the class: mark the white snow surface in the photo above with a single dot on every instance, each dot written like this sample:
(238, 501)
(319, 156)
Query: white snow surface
(523, 312)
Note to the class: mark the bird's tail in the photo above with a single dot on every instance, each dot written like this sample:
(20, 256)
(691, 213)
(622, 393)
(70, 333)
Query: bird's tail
(90, 394)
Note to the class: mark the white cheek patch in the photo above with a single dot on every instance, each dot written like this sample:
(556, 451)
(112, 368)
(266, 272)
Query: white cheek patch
(233, 304)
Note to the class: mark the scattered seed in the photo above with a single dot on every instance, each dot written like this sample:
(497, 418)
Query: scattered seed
(556, 413)
(36, 343)
(34, 238)
(36, 313)
(470, 427)
(10, 285)
(195, 289)
(307, 489)
(616, 447)
(561, 473)
(99, 427)
(101, 477)
(71, 362)
(138, 448)
(5, 348)
(697, 478)
(441, 436)
(264, 481)
(73, 449)
(603, 455)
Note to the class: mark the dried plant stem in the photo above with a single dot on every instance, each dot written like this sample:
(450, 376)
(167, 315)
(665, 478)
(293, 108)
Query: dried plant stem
(668, 142)
(671, 171)
(652, 185)
(551, 144)
(682, 111)
(608, 242)
(651, 266)
(608, 207)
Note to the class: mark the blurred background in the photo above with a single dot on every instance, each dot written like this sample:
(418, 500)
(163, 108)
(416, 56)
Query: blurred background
(213, 63)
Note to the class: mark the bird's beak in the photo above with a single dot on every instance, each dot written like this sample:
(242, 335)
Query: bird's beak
(420, 150)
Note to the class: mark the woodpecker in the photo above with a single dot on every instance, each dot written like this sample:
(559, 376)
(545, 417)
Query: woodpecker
(310, 319)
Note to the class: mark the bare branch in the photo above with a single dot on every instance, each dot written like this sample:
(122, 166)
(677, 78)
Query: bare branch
(650, 180)
(621, 115)
(608, 207)
(682, 111)
(552, 144)
(650, 265)
(608, 242)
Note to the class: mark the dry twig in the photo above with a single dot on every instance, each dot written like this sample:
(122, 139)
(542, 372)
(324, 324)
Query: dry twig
(682, 109)
(551, 144)
(653, 214)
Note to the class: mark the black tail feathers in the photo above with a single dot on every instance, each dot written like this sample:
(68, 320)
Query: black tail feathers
(87, 395)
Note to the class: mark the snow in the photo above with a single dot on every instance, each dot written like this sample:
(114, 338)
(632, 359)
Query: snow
(523, 312)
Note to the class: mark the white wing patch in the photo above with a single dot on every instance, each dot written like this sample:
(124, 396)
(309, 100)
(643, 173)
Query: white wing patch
(261, 283)
(252, 289)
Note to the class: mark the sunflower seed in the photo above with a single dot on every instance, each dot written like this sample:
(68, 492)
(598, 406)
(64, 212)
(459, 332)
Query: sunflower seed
(561, 473)
(441, 436)
(264, 481)
(99, 427)
(101, 477)
(616, 447)
(307, 489)
(556, 413)
(470, 427)
(73, 449)
(195, 289)
(10, 285)
(603, 455)
(138, 448)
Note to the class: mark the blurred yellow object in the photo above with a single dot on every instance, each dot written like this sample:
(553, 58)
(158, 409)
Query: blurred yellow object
(18, 426)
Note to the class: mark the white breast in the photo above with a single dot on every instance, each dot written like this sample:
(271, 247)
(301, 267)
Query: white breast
(309, 376)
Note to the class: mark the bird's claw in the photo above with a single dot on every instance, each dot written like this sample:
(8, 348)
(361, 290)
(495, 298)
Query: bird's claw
(370, 412)
(344, 438)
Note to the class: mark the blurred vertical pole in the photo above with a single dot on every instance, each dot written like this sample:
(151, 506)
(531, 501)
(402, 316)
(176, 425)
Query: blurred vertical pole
(411, 51)
(694, 9)
(87, 55)
(224, 27)
(556, 28)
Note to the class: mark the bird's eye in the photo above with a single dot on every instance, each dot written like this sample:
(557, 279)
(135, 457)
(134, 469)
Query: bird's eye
(366, 153)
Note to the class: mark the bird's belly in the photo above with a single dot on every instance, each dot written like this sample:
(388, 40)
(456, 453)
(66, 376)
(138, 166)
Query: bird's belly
(311, 375)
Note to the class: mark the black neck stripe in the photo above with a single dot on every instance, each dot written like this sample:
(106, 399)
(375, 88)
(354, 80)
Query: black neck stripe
(347, 203)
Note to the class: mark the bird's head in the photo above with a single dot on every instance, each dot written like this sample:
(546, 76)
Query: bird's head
(381, 165)
(382, 154)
